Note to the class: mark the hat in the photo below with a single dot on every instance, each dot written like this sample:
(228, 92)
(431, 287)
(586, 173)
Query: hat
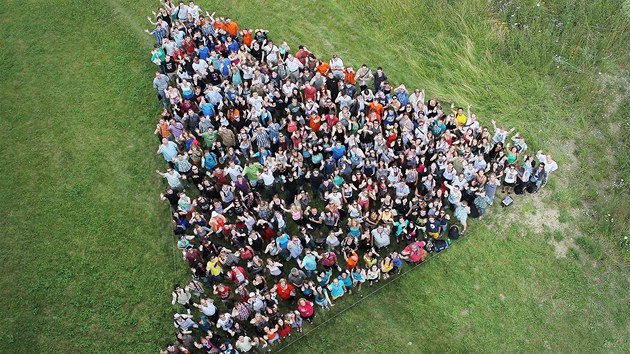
(293, 270)
(176, 316)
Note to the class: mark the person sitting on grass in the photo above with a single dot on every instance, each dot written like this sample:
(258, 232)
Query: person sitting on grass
(414, 253)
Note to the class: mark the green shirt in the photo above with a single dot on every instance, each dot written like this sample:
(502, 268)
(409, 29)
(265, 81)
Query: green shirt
(209, 138)
(251, 171)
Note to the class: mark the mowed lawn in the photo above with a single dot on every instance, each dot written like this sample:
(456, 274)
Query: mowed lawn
(86, 248)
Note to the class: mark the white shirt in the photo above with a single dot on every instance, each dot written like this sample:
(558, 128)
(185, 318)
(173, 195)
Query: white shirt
(256, 103)
(234, 172)
(209, 309)
(336, 64)
(549, 167)
(268, 178)
(293, 65)
(245, 345)
(201, 67)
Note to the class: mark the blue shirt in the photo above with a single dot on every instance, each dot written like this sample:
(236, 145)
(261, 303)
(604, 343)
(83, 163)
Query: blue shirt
(262, 155)
(433, 226)
(225, 70)
(337, 290)
(169, 151)
(347, 282)
(210, 161)
(204, 53)
(309, 262)
(338, 152)
(207, 109)
(438, 129)
(283, 241)
(233, 47)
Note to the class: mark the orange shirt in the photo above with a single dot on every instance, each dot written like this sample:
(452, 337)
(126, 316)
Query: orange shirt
(164, 131)
(349, 79)
(232, 29)
(247, 38)
(352, 260)
(233, 113)
(315, 122)
(378, 108)
(323, 68)
(219, 25)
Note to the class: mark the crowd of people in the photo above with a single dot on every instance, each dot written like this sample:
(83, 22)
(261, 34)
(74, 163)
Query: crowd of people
(294, 181)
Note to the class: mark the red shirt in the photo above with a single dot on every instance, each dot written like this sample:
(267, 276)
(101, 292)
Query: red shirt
(189, 46)
(179, 54)
(306, 311)
(285, 331)
(301, 56)
(233, 274)
(284, 293)
(310, 93)
(391, 139)
(329, 259)
(419, 254)
(331, 119)
(224, 293)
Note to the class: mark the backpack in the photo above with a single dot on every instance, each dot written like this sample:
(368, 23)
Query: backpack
(440, 245)
(453, 232)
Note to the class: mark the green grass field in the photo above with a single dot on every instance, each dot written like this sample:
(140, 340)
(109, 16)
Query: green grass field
(86, 247)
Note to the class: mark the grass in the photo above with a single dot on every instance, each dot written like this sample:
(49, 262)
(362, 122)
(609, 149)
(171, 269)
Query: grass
(86, 248)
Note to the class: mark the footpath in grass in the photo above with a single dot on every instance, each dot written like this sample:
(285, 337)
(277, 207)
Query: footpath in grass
(86, 252)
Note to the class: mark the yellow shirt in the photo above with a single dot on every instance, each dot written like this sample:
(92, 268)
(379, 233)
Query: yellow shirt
(461, 119)
(214, 268)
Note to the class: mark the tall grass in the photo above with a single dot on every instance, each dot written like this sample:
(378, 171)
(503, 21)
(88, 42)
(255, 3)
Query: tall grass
(86, 248)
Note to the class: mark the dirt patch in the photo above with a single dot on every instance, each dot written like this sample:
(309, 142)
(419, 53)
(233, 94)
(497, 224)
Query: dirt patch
(562, 247)
(615, 128)
(535, 213)
(617, 88)
(538, 216)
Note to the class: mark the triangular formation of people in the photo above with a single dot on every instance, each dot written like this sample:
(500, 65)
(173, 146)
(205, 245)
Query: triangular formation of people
(296, 181)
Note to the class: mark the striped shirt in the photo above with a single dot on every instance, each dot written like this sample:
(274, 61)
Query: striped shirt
(262, 139)
(159, 34)
(183, 166)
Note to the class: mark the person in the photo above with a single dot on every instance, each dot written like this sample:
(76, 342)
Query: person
(168, 149)
(285, 290)
(549, 164)
(297, 277)
(373, 274)
(182, 296)
(337, 289)
(381, 237)
(363, 76)
(414, 252)
(306, 310)
(160, 83)
(173, 179)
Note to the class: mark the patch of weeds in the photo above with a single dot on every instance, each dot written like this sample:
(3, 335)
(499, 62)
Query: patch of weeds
(575, 254)
(558, 236)
(590, 246)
